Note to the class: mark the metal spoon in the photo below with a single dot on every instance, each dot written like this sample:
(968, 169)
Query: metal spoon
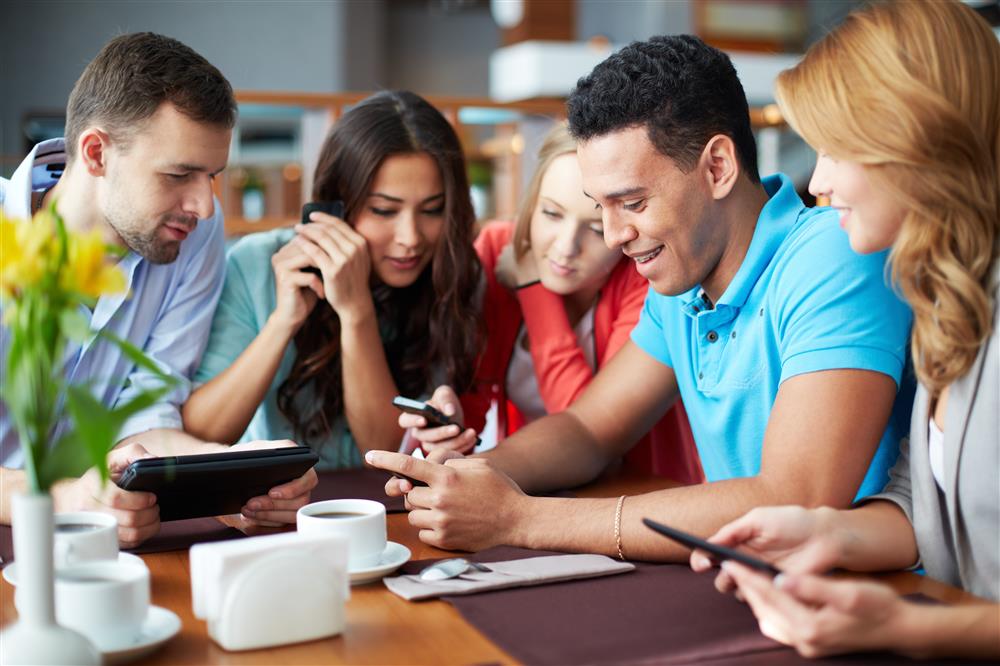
(445, 569)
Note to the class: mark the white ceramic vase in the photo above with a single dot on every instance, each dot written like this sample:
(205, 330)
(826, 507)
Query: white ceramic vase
(36, 638)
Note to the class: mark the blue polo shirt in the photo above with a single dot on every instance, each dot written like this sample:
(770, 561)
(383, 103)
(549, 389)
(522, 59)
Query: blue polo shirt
(802, 301)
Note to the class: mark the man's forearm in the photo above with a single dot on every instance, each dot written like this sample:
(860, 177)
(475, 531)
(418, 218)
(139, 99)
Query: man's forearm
(171, 442)
(553, 453)
(588, 525)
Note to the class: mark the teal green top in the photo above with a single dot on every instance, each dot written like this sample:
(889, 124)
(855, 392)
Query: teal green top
(248, 299)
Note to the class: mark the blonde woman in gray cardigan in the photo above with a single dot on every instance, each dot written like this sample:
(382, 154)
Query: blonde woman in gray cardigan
(902, 103)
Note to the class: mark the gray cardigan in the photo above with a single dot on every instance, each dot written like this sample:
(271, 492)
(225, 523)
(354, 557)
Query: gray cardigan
(958, 530)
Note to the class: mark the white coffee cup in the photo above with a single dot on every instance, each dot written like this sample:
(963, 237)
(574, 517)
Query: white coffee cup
(105, 601)
(84, 536)
(361, 521)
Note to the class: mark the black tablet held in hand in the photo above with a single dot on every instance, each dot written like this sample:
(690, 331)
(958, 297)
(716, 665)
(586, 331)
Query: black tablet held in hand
(215, 484)
(718, 552)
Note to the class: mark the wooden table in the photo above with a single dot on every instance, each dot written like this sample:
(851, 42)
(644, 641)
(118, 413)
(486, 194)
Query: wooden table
(381, 627)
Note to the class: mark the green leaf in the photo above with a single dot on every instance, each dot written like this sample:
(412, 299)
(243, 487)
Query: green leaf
(74, 325)
(66, 459)
(137, 356)
(96, 427)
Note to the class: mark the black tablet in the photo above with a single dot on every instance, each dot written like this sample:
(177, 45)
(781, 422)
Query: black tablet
(215, 484)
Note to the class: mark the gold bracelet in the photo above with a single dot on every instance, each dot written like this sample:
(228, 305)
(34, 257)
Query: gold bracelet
(618, 527)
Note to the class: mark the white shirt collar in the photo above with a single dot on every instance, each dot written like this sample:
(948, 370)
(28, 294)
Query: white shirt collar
(32, 174)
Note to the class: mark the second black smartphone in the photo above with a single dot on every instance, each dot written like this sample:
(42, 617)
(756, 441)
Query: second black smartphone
(720, 553)
(335, 208)
(435, 418)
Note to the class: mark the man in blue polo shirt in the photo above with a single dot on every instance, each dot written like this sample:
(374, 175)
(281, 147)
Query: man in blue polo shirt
(786, 347)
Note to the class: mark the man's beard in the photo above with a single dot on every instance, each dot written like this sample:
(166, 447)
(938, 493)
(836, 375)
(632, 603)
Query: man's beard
(148, 244)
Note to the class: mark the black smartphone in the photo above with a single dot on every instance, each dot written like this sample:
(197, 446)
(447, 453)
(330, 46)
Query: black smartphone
(214, 484)
(435, 419)
(720, 553)
(335, 208)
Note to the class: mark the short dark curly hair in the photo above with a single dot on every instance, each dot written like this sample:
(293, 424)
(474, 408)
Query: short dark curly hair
(682, 90)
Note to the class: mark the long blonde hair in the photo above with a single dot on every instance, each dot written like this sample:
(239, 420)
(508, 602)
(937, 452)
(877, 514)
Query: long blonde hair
(557, 143)
(911, 90)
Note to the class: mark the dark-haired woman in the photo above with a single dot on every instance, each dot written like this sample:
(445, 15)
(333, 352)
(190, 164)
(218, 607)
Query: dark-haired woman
(393, 309)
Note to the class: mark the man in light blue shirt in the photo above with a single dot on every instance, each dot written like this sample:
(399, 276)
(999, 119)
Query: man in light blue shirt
(148, 128)
(801, 302)
(785, 346)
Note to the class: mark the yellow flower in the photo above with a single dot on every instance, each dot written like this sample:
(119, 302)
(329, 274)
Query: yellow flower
(88, 271)
(25, 251)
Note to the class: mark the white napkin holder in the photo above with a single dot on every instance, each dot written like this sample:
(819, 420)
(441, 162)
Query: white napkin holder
(270, 590)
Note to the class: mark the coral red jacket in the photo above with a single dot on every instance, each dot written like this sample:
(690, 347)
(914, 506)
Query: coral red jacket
(561, 368)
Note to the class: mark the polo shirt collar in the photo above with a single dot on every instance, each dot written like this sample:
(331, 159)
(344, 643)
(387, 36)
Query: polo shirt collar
(34, 174)
(776, 220)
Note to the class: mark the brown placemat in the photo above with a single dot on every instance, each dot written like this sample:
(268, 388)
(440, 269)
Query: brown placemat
(657, 614)
(363, 483)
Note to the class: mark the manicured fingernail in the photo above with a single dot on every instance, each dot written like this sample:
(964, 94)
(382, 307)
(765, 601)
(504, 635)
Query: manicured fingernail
(370, 457)
(780, 581)
(276, 494)
(727, 566)
(253, 505)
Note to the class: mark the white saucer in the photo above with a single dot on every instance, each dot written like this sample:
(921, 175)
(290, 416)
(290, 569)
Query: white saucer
(394, 556)
(160, 626)
(10, 571)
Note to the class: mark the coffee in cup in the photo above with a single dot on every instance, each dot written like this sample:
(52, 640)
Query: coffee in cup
(105, 601)
(338, 514)
(84, 536)
(361, 521)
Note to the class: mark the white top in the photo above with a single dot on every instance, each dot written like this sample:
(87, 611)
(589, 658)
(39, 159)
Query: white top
(522, 384)
(935, 446)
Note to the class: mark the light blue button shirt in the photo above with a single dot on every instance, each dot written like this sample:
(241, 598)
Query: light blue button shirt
(802, 301)
(166, 312)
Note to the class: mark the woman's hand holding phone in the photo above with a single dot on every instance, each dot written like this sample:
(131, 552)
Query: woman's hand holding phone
(450, 437)
(341, 254)
(297, 291)
(512, 272)
(795, 539)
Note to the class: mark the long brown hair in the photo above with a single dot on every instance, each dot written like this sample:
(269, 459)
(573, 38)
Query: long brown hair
(911, 90)
(430, 326)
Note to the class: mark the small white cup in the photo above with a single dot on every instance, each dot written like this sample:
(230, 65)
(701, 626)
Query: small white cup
(84, 536)
(105, 601)
(361, 521)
